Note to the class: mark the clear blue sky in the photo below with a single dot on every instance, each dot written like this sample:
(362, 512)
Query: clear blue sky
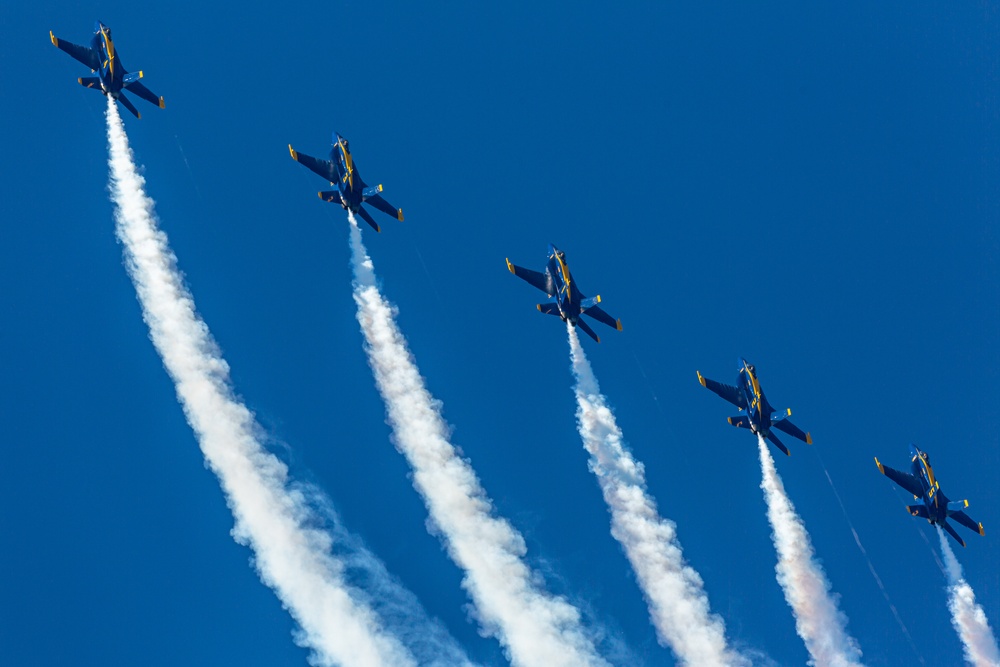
(816, 189)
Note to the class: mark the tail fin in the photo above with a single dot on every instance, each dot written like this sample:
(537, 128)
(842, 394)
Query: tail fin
(587, 330)
(777, 443)
(951, 531)
(368, 218)
(127, 103)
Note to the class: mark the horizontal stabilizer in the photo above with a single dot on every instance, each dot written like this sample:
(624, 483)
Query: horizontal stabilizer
(739, 421)
(957, 506)
(332, 196)
(90, 82)
(549, 309)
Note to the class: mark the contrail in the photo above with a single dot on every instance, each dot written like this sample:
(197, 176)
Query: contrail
(967, 616)
(535, 627)
(677, 601)
(272, 516)
(822, 626)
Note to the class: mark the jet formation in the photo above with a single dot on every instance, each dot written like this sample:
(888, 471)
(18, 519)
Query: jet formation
(569, 303)
(108, 74)
(934, 505)
(566, 301)
(351, 191)
(760, 417)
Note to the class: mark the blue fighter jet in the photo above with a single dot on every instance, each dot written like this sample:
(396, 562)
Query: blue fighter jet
(934, 505)
(351, 191)
(107, 72)
(760, 417)
(570, 303)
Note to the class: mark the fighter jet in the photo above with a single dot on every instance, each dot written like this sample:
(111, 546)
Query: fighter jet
(107, 72)
(934, 505)
(351, 191)
(760, 417)
(569, 303)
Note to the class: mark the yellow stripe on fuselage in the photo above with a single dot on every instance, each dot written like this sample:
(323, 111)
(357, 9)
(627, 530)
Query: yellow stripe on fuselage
(930, 474)
(110, 46)
(349, 163)
(565, 274)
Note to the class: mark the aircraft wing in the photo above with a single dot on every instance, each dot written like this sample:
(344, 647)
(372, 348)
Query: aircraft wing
(539, 280)
(598, 314)
(791, 429)
(384, 206)
(904, 479)
(324, 168)
(967, 521)
(84, 54)
(728, 392)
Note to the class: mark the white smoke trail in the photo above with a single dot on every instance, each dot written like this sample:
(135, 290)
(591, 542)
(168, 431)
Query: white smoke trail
(967, 616)
(274, 519)
(677, 601)
(535, 627)
(822, 626)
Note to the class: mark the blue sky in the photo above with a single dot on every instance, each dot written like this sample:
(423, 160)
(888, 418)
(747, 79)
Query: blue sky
(812, 188)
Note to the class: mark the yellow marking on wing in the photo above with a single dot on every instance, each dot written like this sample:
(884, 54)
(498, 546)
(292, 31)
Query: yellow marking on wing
(618, 322)
(981, 530)
(162, 106)
(55, 40)
(539, 307)
(880, 468)
(291, 151)
(701, 379)
(510, 267)
(597, 299)
(380, 187)
(809, 439)
(399, 214)
(140, 74)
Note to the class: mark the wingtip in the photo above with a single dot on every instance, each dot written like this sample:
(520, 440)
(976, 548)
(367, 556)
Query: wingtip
(55, 40)
(618, 324)
(701, 380)
(879, 464)
(539, 307)
(399, 211)
(380, 187)
(162, 103)
(510, 267)
(730, 420)
(291, 151)
(981, 530)
(809, 438)
(597, 299)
